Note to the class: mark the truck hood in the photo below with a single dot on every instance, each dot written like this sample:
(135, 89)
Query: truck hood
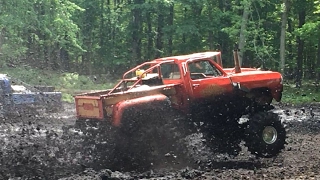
(257, 79)
(255, 75)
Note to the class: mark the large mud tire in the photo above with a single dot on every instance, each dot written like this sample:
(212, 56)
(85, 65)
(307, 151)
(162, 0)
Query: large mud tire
(265, 135)
(224, 135)
(147, 139)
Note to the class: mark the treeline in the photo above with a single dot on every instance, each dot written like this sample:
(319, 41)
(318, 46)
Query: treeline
(109, 36)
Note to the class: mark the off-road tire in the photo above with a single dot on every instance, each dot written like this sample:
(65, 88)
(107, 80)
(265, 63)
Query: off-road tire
(224, 136)
(147, 139)
(254, 139)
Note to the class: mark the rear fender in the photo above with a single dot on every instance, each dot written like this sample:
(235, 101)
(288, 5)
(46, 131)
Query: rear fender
(137, 105)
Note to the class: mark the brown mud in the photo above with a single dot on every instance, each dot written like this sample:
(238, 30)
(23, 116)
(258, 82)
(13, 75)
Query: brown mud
(47, 146)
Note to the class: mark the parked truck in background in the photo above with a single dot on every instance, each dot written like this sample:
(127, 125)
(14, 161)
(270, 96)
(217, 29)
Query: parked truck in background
(18, 98)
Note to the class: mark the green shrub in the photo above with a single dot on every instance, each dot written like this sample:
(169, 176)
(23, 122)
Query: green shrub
(308, 93)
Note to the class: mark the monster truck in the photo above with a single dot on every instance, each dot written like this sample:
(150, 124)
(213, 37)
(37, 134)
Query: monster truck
(23, 98)
(166, 97)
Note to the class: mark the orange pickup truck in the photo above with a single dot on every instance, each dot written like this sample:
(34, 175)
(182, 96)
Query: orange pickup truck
(195, 86)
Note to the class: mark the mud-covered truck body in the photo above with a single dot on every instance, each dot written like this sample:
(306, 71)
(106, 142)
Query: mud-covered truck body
(198, 86)
(174, 79)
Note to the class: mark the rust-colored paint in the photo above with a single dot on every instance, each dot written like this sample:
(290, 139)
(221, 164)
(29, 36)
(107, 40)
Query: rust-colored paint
(167, 90)
(257, 79)
(212, 90)
(120, 107)
(210, 87)
(89, 107)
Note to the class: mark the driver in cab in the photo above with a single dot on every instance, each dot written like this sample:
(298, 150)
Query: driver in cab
(196, 67)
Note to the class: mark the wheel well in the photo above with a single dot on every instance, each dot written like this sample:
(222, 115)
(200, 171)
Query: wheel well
(264, 90)
(261, 95)
(136, 107)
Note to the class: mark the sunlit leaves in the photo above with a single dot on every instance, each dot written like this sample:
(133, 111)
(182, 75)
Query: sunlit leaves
(309, 31)
(317, 6)
(101, 31)
(42, 23)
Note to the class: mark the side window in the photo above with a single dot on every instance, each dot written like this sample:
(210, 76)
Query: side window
(203, 69)
(170, 71)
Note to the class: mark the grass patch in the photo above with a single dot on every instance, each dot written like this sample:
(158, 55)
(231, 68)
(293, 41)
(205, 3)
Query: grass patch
(308, 93)
(67, 83)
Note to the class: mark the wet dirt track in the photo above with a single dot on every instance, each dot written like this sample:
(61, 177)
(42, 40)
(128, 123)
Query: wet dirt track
(46, 146)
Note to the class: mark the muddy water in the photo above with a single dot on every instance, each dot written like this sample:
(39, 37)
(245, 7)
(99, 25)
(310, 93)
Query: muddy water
(46, 146)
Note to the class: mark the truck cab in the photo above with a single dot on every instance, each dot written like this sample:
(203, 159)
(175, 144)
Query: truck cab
(201, 79)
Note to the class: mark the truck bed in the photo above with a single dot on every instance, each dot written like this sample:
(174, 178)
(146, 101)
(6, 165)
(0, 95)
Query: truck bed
(99, 105)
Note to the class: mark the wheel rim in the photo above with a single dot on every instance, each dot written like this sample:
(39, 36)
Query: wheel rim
(269, 135)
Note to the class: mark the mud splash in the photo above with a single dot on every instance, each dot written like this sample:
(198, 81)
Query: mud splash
(47, 146)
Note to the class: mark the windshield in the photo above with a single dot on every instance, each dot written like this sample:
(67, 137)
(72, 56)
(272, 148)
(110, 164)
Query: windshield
(204, 67)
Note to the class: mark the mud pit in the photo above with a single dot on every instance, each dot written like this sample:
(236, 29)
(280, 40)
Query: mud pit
(46, 146)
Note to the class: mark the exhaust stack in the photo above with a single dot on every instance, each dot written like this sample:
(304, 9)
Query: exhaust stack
(236, 59)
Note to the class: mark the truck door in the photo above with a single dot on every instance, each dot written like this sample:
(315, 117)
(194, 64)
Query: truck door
(207, 81)
(171, 74)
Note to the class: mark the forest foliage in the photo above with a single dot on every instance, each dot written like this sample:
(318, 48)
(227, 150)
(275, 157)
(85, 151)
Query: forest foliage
(110, 36)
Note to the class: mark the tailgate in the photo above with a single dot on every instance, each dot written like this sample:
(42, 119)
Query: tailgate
(89, 107)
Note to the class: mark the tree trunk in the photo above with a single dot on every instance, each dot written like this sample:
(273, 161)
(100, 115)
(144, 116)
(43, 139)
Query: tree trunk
(136, 27)
(102, 29)
(283, 35)
(318, 62)
(150, 39)
(64, 56)
(290, 46)
(210, 33)
(88, 25)
(309, 57)
(302, 18)
(159, 43)
(170, 23)
(242, 38)
(184, 38)
(46, 57)
(196, 39)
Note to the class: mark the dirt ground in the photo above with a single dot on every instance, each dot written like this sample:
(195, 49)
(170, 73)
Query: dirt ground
(46, 146)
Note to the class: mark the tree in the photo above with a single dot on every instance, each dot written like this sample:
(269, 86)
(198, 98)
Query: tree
(111, 36)
(284, 17)
(37, 31)
(242, 38)
(136, 26)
